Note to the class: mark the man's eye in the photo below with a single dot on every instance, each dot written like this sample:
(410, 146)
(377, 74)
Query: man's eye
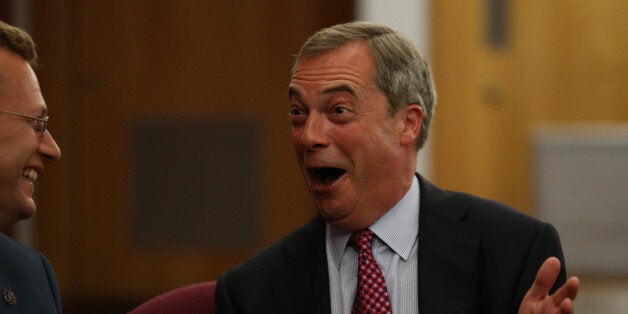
(296, 112)
(35, 123)
(340, 110)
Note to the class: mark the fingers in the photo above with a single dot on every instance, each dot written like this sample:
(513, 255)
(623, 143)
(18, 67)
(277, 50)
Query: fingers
(568, 291)
(537, 300)
(566, 307)
(544, 280)
(572, 285)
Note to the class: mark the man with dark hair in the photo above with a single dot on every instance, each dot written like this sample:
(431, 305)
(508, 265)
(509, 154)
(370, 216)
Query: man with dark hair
(27, 281)
(386, 240)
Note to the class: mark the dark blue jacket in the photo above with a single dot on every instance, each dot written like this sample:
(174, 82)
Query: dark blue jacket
(27, 281)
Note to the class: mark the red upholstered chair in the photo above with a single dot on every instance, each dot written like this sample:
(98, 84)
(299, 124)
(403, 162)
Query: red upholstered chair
(192, 299)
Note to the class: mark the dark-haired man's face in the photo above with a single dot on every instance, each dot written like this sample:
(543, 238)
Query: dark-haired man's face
(22, 150)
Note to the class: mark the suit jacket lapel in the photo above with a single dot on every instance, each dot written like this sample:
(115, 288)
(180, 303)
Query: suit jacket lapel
(447, 252)
(300, 283)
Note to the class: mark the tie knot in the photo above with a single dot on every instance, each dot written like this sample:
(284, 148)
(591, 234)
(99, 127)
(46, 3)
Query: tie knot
(363, 239)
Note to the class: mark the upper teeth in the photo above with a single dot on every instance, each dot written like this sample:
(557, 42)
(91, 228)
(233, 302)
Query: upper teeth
(30, 173)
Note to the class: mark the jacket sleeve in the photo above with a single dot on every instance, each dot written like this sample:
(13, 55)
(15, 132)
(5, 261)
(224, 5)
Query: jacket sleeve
(546, 244)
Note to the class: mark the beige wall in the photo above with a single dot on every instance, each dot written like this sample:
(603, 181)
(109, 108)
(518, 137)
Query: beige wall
(563, 62)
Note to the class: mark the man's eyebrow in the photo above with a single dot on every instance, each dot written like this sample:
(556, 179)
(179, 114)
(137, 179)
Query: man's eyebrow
(339, 89)
(43, 112)
(293, 92)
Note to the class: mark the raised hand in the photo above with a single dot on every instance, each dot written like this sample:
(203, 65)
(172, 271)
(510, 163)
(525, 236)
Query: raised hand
(537, 300)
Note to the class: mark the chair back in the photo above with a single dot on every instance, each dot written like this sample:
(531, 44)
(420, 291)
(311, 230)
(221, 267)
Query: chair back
(191, 299)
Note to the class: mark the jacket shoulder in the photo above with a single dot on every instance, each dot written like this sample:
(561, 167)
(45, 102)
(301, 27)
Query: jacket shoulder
(484, 213)
(29, 275)
(13, 253)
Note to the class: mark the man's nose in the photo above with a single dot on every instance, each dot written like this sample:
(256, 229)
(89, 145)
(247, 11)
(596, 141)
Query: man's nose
(48, 148)
(314, 134)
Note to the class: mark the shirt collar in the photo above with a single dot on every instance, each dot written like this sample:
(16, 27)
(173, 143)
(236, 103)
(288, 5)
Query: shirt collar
(398, 227)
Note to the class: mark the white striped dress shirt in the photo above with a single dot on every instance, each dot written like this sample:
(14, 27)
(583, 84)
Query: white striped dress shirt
(395, 250)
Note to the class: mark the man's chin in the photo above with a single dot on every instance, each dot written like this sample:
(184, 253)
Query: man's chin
(339, 219)
(331, 215)
(28, 209)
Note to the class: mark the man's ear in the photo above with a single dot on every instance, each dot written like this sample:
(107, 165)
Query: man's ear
(413, 118)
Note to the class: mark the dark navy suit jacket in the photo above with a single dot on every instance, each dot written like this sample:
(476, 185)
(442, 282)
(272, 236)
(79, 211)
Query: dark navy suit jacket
(26, 280)
(475, 256)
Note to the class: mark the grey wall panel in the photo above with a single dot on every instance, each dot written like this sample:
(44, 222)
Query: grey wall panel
(581, 181)
(196, 183)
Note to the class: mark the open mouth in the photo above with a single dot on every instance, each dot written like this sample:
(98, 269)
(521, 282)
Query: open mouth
(325, 176)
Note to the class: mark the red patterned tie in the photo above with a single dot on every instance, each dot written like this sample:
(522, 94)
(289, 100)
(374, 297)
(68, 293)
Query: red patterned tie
(371, 295)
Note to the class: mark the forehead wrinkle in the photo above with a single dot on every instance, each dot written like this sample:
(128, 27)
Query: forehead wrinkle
(330, 80)
(329, 74)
